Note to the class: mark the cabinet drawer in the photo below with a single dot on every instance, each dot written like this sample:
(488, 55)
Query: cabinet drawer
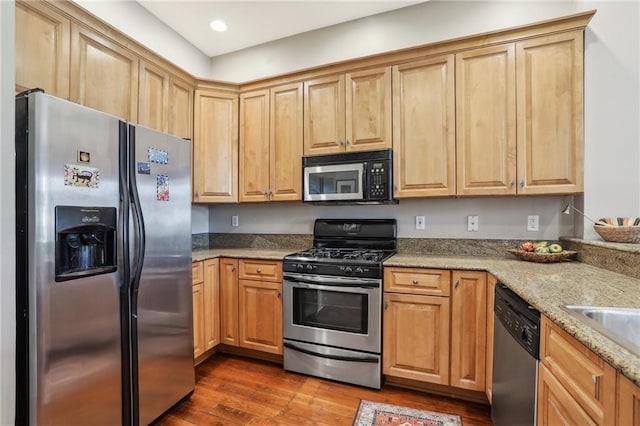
(197, 273)
(435, 282)
(584, 375)
(263, 270)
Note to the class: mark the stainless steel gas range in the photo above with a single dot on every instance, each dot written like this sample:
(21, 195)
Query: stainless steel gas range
(332, 301)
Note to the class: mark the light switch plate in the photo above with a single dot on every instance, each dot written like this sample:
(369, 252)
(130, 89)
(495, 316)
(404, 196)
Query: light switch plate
(234, 220)
(419, 222)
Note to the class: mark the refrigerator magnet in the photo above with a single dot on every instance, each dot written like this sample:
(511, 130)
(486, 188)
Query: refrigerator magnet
(82, 176)
(84, 157)
(162, 188)
(158, 156)
(144, 168)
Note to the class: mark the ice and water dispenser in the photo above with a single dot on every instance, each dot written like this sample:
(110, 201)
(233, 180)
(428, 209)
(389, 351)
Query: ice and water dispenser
(85, 241)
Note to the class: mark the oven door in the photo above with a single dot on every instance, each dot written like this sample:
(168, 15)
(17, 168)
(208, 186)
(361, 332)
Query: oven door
(342, 312)
(334, 182)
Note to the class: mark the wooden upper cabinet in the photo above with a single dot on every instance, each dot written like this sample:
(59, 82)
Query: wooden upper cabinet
(468, 329)
(104, 75)
(324, 123)
(180, 108)
(42, 49)
(271, 144)
(368, 109)
(153, 97)
(215, 147)
(549, 74)
(348, 112)
(254, 146)
(424, 128)
(286, 135)
(486, 121)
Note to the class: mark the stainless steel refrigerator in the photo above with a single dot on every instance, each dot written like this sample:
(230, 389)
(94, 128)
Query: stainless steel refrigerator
(104, 299)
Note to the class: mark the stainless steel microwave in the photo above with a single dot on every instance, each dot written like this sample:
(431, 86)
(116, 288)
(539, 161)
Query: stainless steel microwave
(363, 177)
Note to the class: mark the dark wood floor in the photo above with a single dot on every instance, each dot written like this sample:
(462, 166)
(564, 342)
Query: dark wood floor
(232, 390)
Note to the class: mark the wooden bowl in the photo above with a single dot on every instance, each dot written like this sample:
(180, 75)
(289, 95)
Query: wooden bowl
(529, 256)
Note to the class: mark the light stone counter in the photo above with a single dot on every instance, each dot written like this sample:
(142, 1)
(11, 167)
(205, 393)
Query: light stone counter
(547, 286)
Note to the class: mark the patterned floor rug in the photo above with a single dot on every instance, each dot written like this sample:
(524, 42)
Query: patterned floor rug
(378, 414)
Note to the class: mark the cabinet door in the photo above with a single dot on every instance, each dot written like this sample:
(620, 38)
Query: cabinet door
(104, 75)
(260, 316)
(549, 73)
(324, 118)
(424, 128)
(42, 49)
(229, 301)
(628, 402)
(586, 377)
(211, 303)
(368, 109)
(198, 320)
(468, 329)
(254, 146)
(153, 97)
(416, 337)
(486, 121)
(491, 290)
(556, 406)
(215, 147)
(285, 148)
(180, 108)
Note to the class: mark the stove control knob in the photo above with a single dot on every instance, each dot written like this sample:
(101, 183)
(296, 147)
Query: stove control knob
(348, 270)
(309, 267)
(300, 267)
(359, 270)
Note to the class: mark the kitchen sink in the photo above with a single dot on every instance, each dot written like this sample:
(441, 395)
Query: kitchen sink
(622, 325)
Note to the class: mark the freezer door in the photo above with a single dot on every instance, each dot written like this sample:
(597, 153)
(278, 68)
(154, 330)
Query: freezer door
(162, 306)
(68, 156)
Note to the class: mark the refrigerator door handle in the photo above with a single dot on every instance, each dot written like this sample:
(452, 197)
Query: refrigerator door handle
(138, 219)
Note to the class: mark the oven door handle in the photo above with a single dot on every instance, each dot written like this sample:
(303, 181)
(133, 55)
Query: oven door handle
(333, 281)
(363, 358)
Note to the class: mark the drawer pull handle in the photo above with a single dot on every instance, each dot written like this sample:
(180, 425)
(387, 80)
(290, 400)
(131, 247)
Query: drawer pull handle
(278, 294)
(457, 284)
(386, 305)
(596, 381)
(415, 282)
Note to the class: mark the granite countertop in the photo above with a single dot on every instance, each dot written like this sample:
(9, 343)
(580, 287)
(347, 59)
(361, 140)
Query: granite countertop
(245, 253)
(547, 286)
(544, 286)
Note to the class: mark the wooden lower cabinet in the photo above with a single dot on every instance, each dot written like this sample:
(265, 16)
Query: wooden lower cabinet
(229, 301)
(198, 320)
(260, 316)
(468, 329)
(211, 303)
(491, 289)
(416, 337)
(575, 386)
(628, 403)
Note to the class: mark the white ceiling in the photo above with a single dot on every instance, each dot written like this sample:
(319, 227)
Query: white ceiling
(255, 22)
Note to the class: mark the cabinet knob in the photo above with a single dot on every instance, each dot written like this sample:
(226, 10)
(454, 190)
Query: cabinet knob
(278, 294)
(386, 305)
(341, 142)
(457, 284)
(513, 182)
(414, 281)
(522, 183)
(348, 143)
(259, 270)
(233, 269)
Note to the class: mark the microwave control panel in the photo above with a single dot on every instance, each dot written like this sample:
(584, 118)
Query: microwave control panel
(378, 172)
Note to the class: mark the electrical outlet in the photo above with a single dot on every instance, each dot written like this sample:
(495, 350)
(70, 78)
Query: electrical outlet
(533, 222)
(473, 223)
(419, 222)
(234, 220)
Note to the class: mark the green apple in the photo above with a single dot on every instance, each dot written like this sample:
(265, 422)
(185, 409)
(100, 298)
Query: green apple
(555, 248)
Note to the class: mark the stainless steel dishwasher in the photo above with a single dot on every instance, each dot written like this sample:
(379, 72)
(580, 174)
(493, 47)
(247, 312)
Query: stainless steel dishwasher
(515, 359)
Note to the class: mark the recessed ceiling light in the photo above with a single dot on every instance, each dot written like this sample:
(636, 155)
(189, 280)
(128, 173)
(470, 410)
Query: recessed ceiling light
(218, 25)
